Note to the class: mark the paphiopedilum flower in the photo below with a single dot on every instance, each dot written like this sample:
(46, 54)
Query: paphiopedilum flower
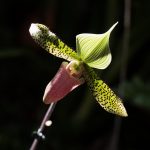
(92, 52)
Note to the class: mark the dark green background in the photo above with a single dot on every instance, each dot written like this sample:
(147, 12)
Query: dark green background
(79, 123)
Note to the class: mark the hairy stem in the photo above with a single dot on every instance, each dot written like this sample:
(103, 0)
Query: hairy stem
(38, 134)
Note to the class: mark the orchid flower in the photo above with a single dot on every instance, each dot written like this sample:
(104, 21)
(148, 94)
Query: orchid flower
(92, 52)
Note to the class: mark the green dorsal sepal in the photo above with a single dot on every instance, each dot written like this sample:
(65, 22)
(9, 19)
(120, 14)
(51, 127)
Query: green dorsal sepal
(94, 49)
(51, 43)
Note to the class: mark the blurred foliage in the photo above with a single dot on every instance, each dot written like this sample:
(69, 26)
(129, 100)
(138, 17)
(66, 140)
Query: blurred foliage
(78, 121)
(137, 92)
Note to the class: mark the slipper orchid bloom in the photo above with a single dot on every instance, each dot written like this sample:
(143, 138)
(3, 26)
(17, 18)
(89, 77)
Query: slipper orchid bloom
(92, 52)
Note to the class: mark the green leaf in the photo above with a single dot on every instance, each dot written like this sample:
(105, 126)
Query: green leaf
(103, 94)
(94, 49)
(51, 43)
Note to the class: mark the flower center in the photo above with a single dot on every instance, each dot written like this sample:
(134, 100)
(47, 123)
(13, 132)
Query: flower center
(75, 68)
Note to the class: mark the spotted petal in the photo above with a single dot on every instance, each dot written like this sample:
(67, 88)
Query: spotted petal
(103, 94)
(94, 49)
(51, 43)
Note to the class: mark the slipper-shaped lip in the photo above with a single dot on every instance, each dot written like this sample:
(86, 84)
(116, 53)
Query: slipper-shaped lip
(62, 83)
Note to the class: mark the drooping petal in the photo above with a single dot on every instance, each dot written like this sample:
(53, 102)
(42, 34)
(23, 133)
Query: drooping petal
(51, 43)
(103, 94)
(94, 49)
(63, 83)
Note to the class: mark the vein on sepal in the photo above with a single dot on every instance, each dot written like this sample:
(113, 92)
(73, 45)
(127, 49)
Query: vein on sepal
(94, 49)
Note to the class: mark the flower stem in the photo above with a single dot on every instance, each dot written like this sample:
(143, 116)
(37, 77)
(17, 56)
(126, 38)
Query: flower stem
(38, 134)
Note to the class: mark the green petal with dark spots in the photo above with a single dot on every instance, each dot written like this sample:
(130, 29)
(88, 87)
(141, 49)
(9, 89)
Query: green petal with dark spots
(103, 94)
(51, 43)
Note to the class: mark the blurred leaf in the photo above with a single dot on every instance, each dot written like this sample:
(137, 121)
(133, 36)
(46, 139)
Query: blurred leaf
(137, 92)
(5, 53)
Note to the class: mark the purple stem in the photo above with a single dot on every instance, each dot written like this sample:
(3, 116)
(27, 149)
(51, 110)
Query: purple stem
(39, 134)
